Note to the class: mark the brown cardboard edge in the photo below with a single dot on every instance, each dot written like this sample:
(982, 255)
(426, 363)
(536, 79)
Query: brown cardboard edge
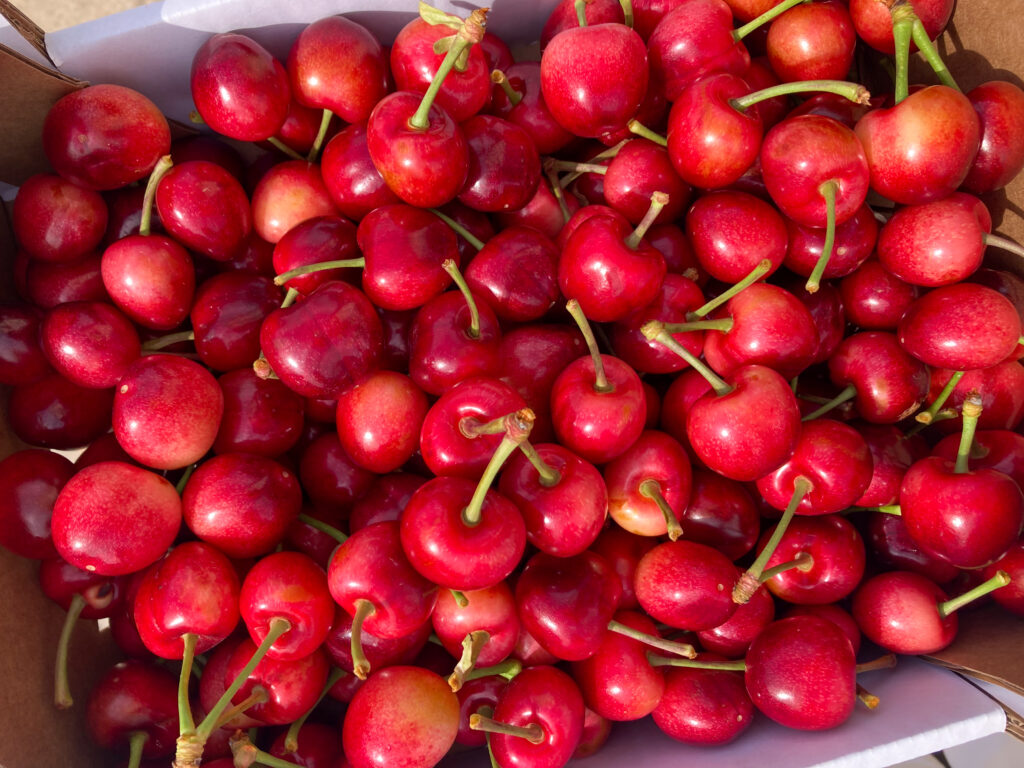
(987, 646)
(25, 27)
(1014, 720)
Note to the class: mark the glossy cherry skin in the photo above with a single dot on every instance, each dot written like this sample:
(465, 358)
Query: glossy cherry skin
(55, 413)
(531, 112)
(686, 585)
(515, 273)
(47, 284)
(384, 500)
(890, 384)
(504, 165)
(812, 43)
(546, 696)
(910, 245)
(446, 446)
(892, 453)
(241, 503)
(563, 518)
(287, 195)
(114, 518)
(338, 64)
(22, 360)
(893, 548)
(999, 387)
(167, 411)
(640, 169)
(563, 16)
(854, 243)
(329, 476)
(405, 248)
(57, 220)
(380, 651)
(226, 316)
(287, 585)
(370, 565)
(317, 745)
(323, 345)
(694, 40)
(135, 696)
(566, 603)
(761, 407)
(961, 327)
(801, 672)
(316, 240)
(898, 610)
(617, 681)
(655, 456)
(61, 582)
(475, 696)
(379, 421)
(598, 425)
(492, 610)
(239, 89)
(424, 167)
(896, 142)
(1009, 596)
(969, 519)
(453, 553)
(292, 686)
(353, 182)
(403, 711)
(833, 458)
(194, 589)
(90, 343)
(205, 208)
(874, 298)
(998, 449)
(151, 279)
(105, 136)
(705, 707)
(732, 232)
(31, 479)
(733, 637)
(261, 416)
(1000, 108)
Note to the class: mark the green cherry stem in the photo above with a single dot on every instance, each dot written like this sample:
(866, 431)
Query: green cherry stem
(291, 738)
(188, 641)
(581, 12)
(163, 165)
(321, 134)
(600, 379)
(471, 31)
(804, 561)
(723, 324)
(258, 696)
(853, 91)
(452, 269)
(183, 480)
(280, 146)
(549, 476)
(902, 30)
(764, 18)
(828, 190)
(169, 340)
(658, 201)
(677, 649)
(654, 330)
(518, 426)
(848, 393)
(460, 230)
(971, 411)
(360, 664)
(309, 269)
(763, 268)
(927, 416)
(136, 743)
(499, 79)
(323, 527)
(931, 54)
(460, 598)
(508, 669)
(641, 130)
(726, 666)
(472, 644)
(62, 698)
(533, 732)
(886, 661)
(246, 754)
(651, 489)
(1003, 243)
(627, 12)
(1001, 579)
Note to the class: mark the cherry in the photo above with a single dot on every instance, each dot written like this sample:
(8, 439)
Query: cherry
(384, 500)
(997, 449)
(854, 243)
(491, 611)
(284, 689)
(686, 585)
(566, 15)
(892, 453)
(22, 360)
(733, 637)
(32, 479)
(317, 744)
(703, 706)
(226, 316)
(379, 651)
(239, 89)
(517, 97)
(92, 344)
(649, 485)
(1000, 391)
(114, 518)
(504, 165)
(328, 475)
(874, 22)
(1000, 108)
(105, 136)
(241, 503)
(732, 232)
(874, 298)
(720, 513)
(313, 242)
(57, 220)
(812, 42)
(893, 548)
(353, 182)
(287, 195)
(151, 279)
(638, 170)
(55, 413)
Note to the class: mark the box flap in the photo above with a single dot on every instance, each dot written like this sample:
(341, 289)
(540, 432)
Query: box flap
(987, 646)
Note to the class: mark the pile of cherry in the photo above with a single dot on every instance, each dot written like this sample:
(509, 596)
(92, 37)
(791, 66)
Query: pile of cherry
(733, 416)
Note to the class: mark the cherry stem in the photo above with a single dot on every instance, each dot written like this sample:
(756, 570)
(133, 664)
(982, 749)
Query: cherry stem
(627, 12)
(556, 190)
(885, 509)
(472, 427)
(508, 669)
(168, 340)
(678, 649)
(323, 527)
(828, 190)
(1003, 244)
(804, 561)
(62, 698)
(278, 626)
(360, 664)
(853, 91)
(551, 170)
(460, 230)
(762, 269)
(163, 165)
(600, 379)
(651, 489)
(1001, 579)
(259, 695)
(641, 130)
(280, 146)
(136, 743)
(658, 201)
(654, 330)
(902, 29)
(517, 429)
(971, 412)
(471, 31)
(308, 269)
(498, 78)
(460, 598)
(865, 697)
(183, 480)
(577, 168)
(325, 123)
(289, 298)
(723, 324)
(188, 654)
(291, 738)
(472, 644)
(886, 661)
(931, 54)
(549, 476)
(764, 18)
(848, 393)
(533, 732)
(751, 579)
(245, 754)
(725, 666)
(928, 416)
(581, 12)
(452, 269)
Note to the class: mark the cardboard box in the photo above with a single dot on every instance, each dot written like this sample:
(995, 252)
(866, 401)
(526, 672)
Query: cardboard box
(924, 708)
